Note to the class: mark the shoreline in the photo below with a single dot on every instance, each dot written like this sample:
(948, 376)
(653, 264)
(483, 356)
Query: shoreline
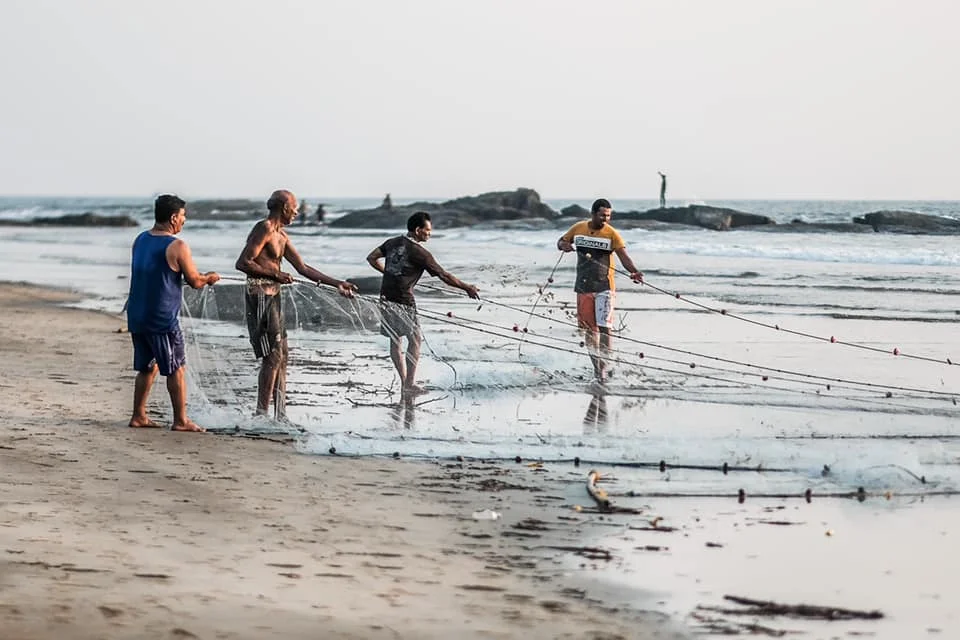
(108, 531)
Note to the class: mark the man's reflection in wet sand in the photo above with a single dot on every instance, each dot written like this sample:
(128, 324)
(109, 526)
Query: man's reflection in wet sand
(596, 418)
(403, 413)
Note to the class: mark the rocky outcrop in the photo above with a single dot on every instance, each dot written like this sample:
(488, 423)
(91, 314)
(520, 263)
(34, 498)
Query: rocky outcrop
(76, 220)
(699, 215)
(521, 204)
(908, 222)
(575, 211)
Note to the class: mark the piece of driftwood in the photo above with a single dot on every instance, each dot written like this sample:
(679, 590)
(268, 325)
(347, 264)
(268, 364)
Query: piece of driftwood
(593, 553)
(599, 495)
(808, 611)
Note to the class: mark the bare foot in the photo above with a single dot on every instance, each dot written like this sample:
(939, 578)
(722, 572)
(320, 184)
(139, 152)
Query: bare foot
(143, 423)
(413, 390)
(190, 425)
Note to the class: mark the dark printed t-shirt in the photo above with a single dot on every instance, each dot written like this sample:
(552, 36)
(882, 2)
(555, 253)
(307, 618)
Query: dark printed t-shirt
(405, 260)
(595, 266)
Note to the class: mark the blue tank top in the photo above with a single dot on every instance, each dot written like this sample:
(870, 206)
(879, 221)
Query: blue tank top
(155, 288)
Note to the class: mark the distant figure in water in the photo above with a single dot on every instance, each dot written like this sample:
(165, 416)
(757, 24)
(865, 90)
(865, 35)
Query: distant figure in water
(261, 258)
(160, 264)
(404, 259)
(302, 212)
(387, 203)
(663, 190)
(321, 214)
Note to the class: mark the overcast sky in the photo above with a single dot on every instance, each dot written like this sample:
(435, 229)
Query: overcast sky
(439, 98)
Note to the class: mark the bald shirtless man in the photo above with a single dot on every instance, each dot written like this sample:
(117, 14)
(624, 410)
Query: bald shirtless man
(267, 245)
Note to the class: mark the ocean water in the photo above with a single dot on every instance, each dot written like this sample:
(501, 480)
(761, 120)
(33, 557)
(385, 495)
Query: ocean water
(821, 361)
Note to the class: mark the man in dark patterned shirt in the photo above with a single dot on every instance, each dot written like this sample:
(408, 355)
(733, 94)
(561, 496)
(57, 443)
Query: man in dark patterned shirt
(404, 261)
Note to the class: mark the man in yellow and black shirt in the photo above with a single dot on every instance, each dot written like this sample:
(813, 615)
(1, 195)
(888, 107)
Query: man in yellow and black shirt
(595, 241)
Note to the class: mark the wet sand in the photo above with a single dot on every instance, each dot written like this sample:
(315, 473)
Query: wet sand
(111, 532)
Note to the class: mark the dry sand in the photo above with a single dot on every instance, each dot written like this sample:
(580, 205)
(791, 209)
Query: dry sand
(111, 532)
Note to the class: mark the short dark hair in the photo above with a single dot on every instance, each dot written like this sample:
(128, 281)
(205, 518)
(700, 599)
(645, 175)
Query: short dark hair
(417, 220)
(166, 206)
(600, 203)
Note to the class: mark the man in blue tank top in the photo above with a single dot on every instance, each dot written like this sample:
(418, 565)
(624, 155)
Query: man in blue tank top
(160, 264)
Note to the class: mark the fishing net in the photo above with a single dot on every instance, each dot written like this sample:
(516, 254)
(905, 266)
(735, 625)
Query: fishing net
(511, 376)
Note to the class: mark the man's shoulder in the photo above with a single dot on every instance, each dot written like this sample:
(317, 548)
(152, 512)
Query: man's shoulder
(417, 249)
(393, 242)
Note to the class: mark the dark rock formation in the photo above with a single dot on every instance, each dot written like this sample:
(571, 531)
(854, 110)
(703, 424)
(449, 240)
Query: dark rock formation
(521, 204)
(76, 220)
(575, 211)
(717, 218)
(908, 222)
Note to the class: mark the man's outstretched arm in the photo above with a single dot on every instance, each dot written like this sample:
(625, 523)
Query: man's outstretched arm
(183, 258)
(345, 288)
(627, 263)
(454, 281)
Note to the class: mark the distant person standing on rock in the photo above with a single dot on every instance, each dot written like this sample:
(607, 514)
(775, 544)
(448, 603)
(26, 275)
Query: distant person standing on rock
(663, 190)
(321, 214)
(159, 265)
(387, 203)
(302, 212)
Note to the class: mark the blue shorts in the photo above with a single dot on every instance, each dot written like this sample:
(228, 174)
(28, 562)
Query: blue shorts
(166, 349)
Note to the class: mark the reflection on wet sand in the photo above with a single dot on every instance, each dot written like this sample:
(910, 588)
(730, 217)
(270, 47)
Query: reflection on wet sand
(595, 419)
(403, 413)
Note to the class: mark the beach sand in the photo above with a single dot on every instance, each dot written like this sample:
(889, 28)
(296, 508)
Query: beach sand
(111, 532)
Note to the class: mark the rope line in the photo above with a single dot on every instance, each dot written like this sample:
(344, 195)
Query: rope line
(522, 336)
(803, 334)
(845, 381)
